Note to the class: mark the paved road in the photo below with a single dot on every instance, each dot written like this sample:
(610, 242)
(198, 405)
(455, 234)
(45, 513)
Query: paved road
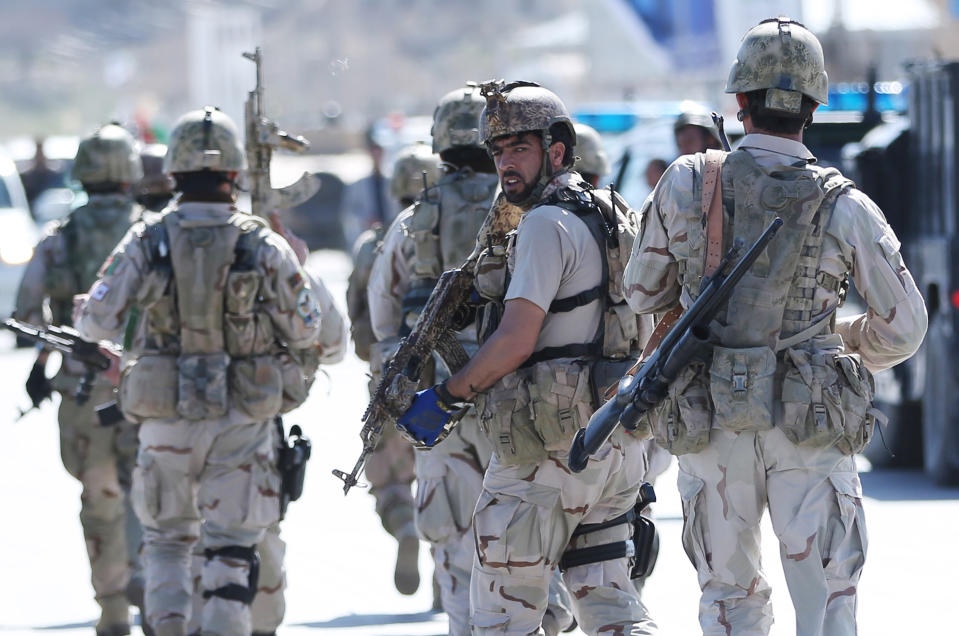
(340, 561)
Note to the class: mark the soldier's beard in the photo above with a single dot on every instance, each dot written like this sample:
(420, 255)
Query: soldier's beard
(517, 197)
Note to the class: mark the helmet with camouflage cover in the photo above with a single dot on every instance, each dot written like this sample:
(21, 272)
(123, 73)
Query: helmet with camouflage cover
(521, 107)
(411, 163)
(456, 119)
(204, 139)
(591, 158)
(783, 56)
(696, 117)
(108, 156)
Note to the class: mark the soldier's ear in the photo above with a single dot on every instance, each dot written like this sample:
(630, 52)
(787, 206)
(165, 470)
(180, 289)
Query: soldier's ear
(556, 153)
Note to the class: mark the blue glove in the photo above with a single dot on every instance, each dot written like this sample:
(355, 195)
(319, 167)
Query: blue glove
(426, 419)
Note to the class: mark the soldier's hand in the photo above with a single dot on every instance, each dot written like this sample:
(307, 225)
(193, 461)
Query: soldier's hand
(425, 422)
(38, 385)
(78, 301)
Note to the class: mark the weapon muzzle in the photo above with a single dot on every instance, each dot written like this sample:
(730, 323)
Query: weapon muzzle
(588, 440)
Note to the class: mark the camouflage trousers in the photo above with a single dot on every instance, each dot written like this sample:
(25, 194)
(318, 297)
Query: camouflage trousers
(269, 604)
(97, 456)
(210, 481)
(449, 479)
(524, 522)
(389, 469)
(815, 504)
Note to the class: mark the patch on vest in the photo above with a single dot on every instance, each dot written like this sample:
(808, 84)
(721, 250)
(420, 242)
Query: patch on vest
(306, 307)
(107, 268)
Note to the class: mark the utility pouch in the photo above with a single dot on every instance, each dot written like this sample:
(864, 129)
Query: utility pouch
(681, 422)
(256, 386)
(859, 416)
(505, 418)
(247, 334)
(741, 387)
(621, 331)
(812, 401)
(202, 385)
(491, 267)
(148, 388)
(241, 291)
(298, 370)
(560, 401)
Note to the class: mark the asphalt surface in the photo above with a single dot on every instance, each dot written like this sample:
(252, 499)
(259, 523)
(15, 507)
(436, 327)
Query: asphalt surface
(340, 561)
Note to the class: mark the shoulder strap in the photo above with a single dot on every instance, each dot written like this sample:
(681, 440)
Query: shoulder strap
(713, 209)
(158, 245)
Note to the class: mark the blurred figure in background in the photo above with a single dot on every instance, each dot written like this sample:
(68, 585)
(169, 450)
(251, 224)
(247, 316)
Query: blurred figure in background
(695, 131)
(389, 468)
(654, 171)
(39, 176)
(65, 263)
(591, 160)
(366, 202)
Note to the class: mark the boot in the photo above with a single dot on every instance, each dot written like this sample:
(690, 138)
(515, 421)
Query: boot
(114, 616)
(170, 627)
(407, 575)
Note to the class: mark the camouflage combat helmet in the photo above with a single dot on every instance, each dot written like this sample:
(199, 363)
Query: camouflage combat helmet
(781, 55)
(591, 158)
(696, 117)
(108, 156)
(456, 119)
(411, 163)
(521, 107)
(204, 140)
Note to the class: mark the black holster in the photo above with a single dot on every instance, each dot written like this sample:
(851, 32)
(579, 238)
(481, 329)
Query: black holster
(292, 456)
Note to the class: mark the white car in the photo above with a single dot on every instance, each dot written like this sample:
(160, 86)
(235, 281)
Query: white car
(18, 234)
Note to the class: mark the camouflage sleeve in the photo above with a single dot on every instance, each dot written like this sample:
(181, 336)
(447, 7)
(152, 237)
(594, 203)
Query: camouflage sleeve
(333, 332)
(650, 281)
(894, 323)
(33, 288)
(390, 279)
(102, 315)
(288, 297)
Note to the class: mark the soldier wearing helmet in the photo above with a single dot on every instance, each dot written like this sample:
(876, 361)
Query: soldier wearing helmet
(439, 233)
(64, 263)
(695, 131)
(776, 415)
(412, 163)
(184, 291)
(542, 329)
(155, 189)
(591, 160)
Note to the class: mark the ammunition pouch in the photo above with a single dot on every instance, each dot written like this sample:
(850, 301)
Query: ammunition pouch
(504, 414)
(297, 371)
(827, 400)
(256, 386)
(292, 456)
(148, 388)
(741, 387)
(681, 422)
(202, 385)
(232, 591)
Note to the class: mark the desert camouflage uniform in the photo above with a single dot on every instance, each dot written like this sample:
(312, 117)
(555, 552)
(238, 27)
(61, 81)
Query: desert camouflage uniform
(531, 502)
(812, 490)
(65, 263)
(417, 248)
(212, 480)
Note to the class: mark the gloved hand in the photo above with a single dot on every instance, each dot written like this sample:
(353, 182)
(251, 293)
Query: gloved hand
(38, 385)
(426, 419)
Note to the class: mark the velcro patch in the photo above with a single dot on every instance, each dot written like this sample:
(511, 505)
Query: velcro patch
(100, 292)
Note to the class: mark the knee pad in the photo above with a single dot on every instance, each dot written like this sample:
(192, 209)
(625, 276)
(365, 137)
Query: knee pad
(233, 591)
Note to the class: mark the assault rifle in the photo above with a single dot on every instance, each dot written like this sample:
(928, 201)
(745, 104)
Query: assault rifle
(262, 137)
(68, 341)
(434, 331)
(687, 340)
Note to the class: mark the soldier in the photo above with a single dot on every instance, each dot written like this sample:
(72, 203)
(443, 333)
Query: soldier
(437, 234)
(544, 333)
(65, 263)
(695, 131)
(390, 467)
(777, 414)
(366, 202)
(591, 161)
(203, 296)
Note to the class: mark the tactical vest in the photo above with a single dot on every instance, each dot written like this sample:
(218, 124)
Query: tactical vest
(772, 363)
(538, 408)
(89, 235)
(207, 344)
(443, 227)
